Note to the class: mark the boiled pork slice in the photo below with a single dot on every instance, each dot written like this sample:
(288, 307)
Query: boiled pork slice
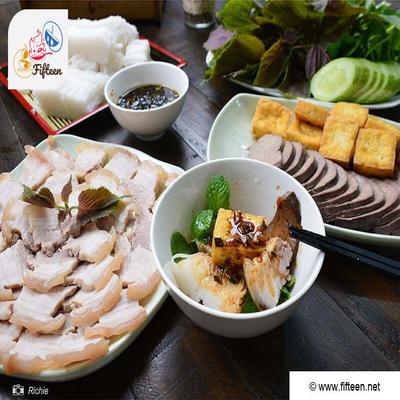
(92, 246)
(139, 272)
(34, 353)
(102, 177)
(267, 274)
(37, 311)
(48, 272)
(6, 308)
(57, 181)
(87, 307)
(268, 149)
(9, 335)
(141, 228)
(122, 164)
(126, 316)
(36, 168)
(90, 157)
(95, 276)
(59, 159)
(13, 262)
(9, 191)
(123, 214)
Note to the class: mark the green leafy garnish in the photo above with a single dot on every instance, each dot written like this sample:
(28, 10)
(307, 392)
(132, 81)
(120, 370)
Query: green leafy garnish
(179, 245)
(287, 289)
(249, 306)
(237, 16)
(203, 224)
(42, 198)
(218, 193)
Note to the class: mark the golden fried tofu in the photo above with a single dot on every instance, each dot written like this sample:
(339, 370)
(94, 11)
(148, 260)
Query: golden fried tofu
(270, 117)
(377, 123)
(350, 112)
(236, 236)
(375, 153)
(311, 113)
(305, 133)
(338, 141)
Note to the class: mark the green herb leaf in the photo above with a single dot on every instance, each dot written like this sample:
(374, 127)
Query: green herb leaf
(95, 203)
(179, 245)
(203, 224)
(287, 289)
(238, 16)
(42, 198)
(218, 193)
(66, 190)
(249, 306)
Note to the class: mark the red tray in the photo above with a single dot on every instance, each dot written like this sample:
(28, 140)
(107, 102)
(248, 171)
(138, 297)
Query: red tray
(54, 125)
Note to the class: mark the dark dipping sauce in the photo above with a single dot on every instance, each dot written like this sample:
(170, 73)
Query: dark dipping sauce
(147, 97)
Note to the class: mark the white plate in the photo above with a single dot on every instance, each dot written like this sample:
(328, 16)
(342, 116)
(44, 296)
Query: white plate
(152, 304)
(231, 136)
(393, 102)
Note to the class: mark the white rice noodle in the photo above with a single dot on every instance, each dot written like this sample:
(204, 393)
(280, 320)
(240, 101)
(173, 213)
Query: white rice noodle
(80, 62)
(137, 51)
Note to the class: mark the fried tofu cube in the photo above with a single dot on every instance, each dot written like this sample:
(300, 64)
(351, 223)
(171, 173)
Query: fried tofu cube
(375, 153)
(350, 112)
(311, 113)
(236, 236)
(270, 117)
(377, 123)
(338, 141)
(305, 133)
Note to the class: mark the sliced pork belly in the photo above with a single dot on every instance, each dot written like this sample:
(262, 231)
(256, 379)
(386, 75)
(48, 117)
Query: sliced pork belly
(298, 159)
(34, 353)
(57, 181)
(49, 272)
(122, 164)
(268, 149)
(59, 159)
(267, 274)
(35, 311)
(139, 272)
(13, 262)
(319, 172)
(126, 316)
(36, 168)
(102, 177)
(87, 307)
(6, 308)
(45, 228)
(95, 276)
(120, 218)
(147, 184)
(92, 246)
(9, 335)
(90, 157)
(9, 191)
(141, 236)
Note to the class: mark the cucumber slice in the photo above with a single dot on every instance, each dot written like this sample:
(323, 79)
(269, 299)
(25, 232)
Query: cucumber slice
(370, 93)
(382, 93)
(373, 76)
(339, 79)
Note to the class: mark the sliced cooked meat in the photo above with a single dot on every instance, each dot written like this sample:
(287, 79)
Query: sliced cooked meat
(265, 275)
(92, 246)
(120, 218)
(56, 182)
(298, 159)
(9, 191)
(337, 189)
(170, 178)
(307, 169)
(389, 228)
(126, 316)
(287, 213)
(395, 213)
(6, 308)
(95, 276)
(90, 157)
(48, 272)
(9, 335)
(365, 196)
(35, 311)
(139, 272)
(102, 177)
(122, 164)
(59, 159)
(328, 180)
(319, 172)
(288, 154)
(36, 168)
(268, 149)
(13, 262)
(3, 242)
(34, 353)
(142, 229)
(45, 228)
(368, 220)
(87, 307)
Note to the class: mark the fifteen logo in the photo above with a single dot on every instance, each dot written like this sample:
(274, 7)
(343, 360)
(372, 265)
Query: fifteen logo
(43, 58)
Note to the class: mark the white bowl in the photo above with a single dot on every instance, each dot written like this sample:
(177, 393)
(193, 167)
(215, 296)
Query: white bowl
(255, 187)
(147, 124)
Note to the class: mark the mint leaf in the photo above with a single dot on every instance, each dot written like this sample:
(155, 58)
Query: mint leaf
(249, 306)
(203, 224)
(179, 245)
(218, 193)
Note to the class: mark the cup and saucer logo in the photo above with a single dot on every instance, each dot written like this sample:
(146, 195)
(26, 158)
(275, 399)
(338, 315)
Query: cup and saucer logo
(37, 49)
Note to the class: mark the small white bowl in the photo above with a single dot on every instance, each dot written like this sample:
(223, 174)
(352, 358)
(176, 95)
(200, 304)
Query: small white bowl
(255, 187)
(147, 124)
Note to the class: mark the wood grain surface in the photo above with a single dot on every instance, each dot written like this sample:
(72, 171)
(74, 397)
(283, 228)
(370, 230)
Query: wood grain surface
(349, 320)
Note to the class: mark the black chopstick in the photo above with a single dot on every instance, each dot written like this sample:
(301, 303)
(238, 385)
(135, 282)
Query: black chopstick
(338, 246)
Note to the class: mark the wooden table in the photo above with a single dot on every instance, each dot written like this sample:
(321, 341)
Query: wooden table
(349, 320)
